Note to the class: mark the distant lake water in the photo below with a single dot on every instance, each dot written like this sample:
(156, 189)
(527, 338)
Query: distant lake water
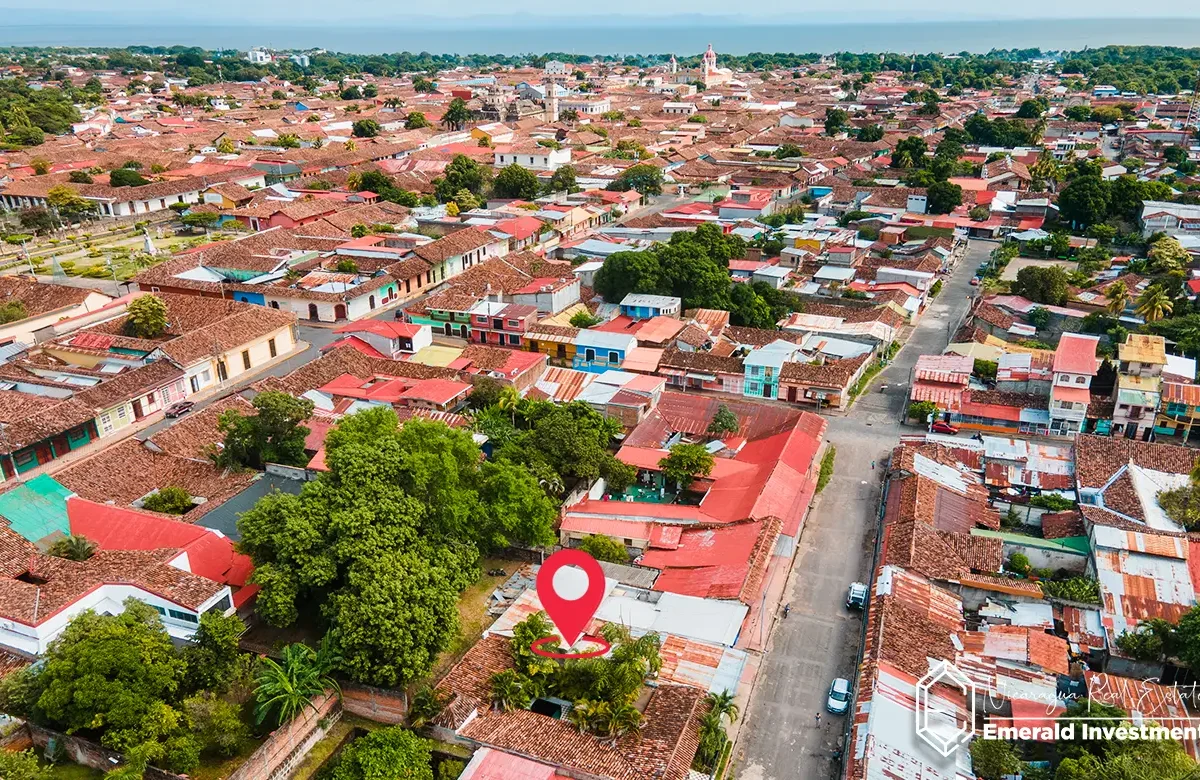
(788, 36)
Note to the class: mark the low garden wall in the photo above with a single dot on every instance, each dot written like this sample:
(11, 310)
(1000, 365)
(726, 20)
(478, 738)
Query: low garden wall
(378, 704)
(87, 753)
(287, 746)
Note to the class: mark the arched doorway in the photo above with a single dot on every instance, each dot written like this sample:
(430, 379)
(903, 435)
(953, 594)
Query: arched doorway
(339, 311)
(312, 312)
(371, 302)
(274, 304)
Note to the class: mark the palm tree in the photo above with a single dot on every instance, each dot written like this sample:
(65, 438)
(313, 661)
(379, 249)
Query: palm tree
(73, 548)
(285, 689)
(508, 400)
(722, 704)
(580, 715)
(507, 691)
(712, 741)
(902, 159)
(426, 704)
(1154, 304)
(1117, 296)
(350, 146)
(625, 719)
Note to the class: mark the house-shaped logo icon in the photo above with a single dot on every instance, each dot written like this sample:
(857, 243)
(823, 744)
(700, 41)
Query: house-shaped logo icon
(940, 723)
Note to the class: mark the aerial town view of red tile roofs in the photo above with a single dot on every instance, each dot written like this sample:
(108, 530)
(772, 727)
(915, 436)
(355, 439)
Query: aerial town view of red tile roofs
(869, 380)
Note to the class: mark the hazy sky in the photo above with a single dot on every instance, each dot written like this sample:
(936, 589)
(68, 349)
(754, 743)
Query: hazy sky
(550, 11)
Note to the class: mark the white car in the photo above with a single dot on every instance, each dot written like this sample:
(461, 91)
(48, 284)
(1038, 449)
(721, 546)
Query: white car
(839, 696)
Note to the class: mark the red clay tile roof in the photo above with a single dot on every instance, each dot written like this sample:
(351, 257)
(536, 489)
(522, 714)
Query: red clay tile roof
(347, 360)
(1060, 525)
(126, 471)
(1097, 458)
(993, 316)
(664, 750)
(453, 244)
(39, 298)
(58, 583)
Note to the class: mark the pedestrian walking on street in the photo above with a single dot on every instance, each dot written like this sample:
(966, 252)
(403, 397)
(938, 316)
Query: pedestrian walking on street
(818, 719)
(872, 465)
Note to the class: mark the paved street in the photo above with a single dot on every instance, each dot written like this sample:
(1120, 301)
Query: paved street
(781, 739)
(315, 337)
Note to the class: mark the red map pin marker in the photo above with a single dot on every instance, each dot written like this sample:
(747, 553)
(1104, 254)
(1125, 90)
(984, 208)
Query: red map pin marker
(572, 615)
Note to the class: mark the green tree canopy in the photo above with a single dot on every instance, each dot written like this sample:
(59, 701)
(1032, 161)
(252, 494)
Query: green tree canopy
(457, 114)
(686, 462)
(1084, 201)
(646, 179)
(605, 548)
(146, 317)
(126, 177)
(393, 753)
(462, 173)
(384, 542)
(994, 759)
(516, 182)
(836, 120)
(724, 422)
(943, 197)
(23, 765)
(692, 266)
(1042, 285)
(116, 676)
(365, 128)
(563, 180)
(275, 433)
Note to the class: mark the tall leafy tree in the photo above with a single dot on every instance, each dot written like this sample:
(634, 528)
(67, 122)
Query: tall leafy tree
(646, 179)
(386, 754)
(383, 543)
(1042, 285)
(462, 173)
(516, 182)
(563, 180)
(274, 434)
(1084, 201)
(685, 462)
(1154, 303)
(115, 673)
(944, 197)
(287, 687)
(365, 128)
(910, 153)
(146, 317)
(1116, 298)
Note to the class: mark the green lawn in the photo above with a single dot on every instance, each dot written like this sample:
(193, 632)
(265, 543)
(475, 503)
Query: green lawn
(215, 769)
(65, 770)
(324, 749)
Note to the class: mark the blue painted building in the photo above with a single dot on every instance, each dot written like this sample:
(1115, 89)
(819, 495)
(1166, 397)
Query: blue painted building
(597, 351)
(763, 366)
(640, 306)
